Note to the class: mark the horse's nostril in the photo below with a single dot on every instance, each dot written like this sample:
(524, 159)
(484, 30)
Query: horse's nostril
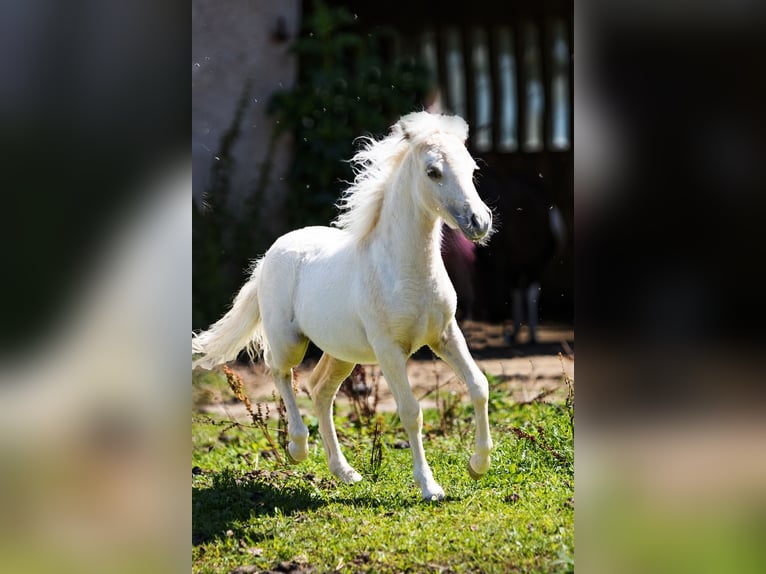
(474, 221)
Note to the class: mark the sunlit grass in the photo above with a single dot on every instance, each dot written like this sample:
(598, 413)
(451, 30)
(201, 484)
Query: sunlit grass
(251, 510)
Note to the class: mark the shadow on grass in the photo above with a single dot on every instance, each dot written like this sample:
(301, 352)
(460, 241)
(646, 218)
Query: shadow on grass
(393, 502)
(217, 508)
(231, 501)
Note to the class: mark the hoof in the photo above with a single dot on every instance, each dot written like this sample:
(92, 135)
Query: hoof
(348, 476)
(293, 459)
(433, 494)
(435, 497)
(290, 458)
(473, 474)
(352, 478)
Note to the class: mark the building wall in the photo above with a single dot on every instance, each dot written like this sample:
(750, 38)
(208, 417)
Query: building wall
(234, 42)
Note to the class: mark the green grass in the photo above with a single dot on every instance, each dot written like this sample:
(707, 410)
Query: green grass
(250, 510)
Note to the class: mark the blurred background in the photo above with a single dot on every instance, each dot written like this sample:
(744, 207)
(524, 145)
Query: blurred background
(669, 196)
(96, 260)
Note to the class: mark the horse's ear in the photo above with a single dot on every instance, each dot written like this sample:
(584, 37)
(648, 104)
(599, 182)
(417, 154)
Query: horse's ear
(398, 129)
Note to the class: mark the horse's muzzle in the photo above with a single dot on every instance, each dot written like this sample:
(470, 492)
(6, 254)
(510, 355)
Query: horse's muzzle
(477, 225)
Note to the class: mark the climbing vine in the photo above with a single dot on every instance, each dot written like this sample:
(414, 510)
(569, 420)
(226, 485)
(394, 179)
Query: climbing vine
(346, 88)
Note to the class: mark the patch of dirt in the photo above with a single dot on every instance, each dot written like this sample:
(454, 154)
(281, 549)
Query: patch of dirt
(525, 371)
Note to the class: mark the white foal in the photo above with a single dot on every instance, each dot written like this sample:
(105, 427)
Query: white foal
(372, 290)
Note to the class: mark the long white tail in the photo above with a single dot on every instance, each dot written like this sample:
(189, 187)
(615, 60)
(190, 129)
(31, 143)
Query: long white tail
(239, 328)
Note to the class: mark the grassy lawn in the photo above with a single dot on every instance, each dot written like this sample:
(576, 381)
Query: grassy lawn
(253, 513)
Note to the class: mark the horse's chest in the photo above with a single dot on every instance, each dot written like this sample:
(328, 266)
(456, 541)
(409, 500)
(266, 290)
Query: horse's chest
(418, 315)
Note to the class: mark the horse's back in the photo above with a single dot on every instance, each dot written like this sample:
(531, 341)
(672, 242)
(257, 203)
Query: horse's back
(308, 241)
(308, 291)
(291, 253)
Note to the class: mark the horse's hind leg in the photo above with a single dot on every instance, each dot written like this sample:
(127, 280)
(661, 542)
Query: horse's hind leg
(323, 384)
(281, 365)
(298, 447)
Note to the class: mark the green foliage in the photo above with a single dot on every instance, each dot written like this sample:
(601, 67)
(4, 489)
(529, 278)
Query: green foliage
(346, 89)
(214, 232)
(224, 243)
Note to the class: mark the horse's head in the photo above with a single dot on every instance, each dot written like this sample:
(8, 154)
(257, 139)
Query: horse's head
(445, 173)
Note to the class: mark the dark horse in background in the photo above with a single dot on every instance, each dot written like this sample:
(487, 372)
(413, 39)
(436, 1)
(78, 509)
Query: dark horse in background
(531, 235)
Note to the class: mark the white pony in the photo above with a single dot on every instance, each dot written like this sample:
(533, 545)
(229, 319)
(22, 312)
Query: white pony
(372, 290)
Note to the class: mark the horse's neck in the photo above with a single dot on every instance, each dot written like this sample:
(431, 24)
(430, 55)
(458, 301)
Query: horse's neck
(406, 234)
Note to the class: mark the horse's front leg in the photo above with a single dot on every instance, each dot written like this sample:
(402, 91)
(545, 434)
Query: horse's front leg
(453, 349)
(393, 363)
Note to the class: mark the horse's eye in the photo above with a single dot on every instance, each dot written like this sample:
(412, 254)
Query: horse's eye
(433, 172)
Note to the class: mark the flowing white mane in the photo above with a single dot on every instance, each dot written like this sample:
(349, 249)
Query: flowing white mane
(377, 160)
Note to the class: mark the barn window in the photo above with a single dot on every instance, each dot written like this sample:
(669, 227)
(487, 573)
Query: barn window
(483, 86)
(533, 89)
(505, 68)
(560, 136)
(506, 77)
(455, 71)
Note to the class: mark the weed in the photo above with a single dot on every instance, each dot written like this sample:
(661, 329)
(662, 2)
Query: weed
(257, 416)
(282, 436)
(376, 452)
(224, 479)
(540, 441)
(569, 403)
(448, 406)
(539, 396)
(363, 396)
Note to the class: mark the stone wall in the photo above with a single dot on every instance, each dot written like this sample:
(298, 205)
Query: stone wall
(233, 43)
